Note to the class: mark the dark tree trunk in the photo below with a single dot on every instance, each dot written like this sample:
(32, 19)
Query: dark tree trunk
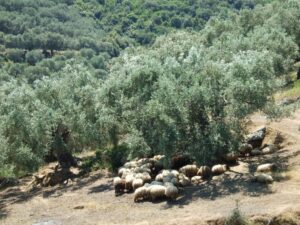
(298, 74)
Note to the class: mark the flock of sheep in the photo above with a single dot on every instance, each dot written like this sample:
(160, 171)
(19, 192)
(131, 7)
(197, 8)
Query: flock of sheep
(139, 176)
(149, 180)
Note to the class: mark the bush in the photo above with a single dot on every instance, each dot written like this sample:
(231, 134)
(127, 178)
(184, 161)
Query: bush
(236, 218)
(16, 55)
(34, 57)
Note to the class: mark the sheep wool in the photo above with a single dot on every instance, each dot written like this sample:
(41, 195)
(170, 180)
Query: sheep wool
(264, 178)
(141, 193)
(119, 185)
(189, 170)
(219, 169)
(183, 180)
(204, 171)
(156, 183)
(128, 182)
(159, 177)
(136, 183)
(157, 191)
(171, 191)
(196, 180)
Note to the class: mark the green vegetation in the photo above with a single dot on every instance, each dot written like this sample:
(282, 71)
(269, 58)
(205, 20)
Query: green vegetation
(236, 218)
(74, 76)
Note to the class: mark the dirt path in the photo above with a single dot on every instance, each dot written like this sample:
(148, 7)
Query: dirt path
(91, 200)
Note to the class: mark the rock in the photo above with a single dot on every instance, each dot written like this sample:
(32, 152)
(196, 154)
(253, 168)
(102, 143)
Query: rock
(273, 137)
(51, 176)
(256, 138)
(79, 207)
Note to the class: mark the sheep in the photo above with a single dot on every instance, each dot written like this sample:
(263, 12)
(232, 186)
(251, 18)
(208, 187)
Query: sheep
(219, 169)
(143, 161)
(159, 157)
(245, 149)
(128, 182)
(183, 180)
(175, 173)
(180, 160)
(141, 170)
(159, 177)
(263, 178)
(146, 177)
(119, 185)
(141, 193)
(231, 157)
(204, 171)
(136, 183)
(255, 152)
(269, 149)
(156, 183)
(157, 191)
(268, 167)
(196, 179)
(122, 172)
(171, 191)
(130, 165)
(189, 170)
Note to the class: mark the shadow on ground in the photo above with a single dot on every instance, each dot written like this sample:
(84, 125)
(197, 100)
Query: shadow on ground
(15, 194)
(221, 187)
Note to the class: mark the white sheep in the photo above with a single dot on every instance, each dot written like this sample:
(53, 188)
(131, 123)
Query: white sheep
(157, 191)
(131, 164)
(171, 191)
(245, 149)
(219, 169)
(263, 178)
(156, 183)
(183, 180)
(128, 182)
(231, 157)
(141, 193)
(204, 171)
(119, 185)
(268, 167)
(196, 180)
(189, 170)
(159, 177)
(136, 183)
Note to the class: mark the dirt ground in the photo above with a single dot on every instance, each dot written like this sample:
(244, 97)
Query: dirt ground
(91, 200)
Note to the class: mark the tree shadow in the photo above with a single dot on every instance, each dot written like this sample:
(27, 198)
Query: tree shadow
(15, 194)
(101, 188)
(214, 189)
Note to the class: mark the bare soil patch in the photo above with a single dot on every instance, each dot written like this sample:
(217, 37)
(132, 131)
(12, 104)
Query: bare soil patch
(91, 199)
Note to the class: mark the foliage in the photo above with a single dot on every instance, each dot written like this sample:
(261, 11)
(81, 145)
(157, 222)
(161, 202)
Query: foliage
(192, 93)
(56, 114)
(66, 84)
(236, 218)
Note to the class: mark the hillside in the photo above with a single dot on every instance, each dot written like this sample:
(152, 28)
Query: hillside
(38, 37)
(91, 200)
(154, 102)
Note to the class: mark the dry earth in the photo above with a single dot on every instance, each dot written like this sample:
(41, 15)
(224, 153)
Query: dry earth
(91, 200)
